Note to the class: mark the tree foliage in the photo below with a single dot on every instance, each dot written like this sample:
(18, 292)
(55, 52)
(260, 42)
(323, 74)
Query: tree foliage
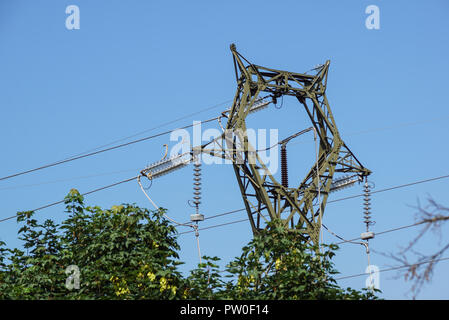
(276, 264)
(128, 252)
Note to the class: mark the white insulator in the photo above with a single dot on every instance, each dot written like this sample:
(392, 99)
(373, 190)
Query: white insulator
(196, 217)
(367, 206)
(164, 163)
(197, 184)
(167, 166)
(259, 106)
(343, 182)
(367, 235)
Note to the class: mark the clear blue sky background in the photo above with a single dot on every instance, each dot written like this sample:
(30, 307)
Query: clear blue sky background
(134, 65)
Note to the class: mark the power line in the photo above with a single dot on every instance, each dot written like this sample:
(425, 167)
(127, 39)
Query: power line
(386, 231)
(399, 125)
(223, 214)
(68, 179)
(392, 188)
(151, 129)
(239, 210)
(88, 154)
(404, 124)
(91, 152)
(99, 151)
(215, 226)
(228, 223)
(331, 201)
(242, 220)
(394, 268)
(342, 242)
(355, 275)
(83, 194)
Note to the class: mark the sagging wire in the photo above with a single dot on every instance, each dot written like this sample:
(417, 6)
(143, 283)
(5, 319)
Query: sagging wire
(148, 174)
(156, 206)
(151, 184)
(365, 236)
(193, 226)
(363, 243)
(282, 103)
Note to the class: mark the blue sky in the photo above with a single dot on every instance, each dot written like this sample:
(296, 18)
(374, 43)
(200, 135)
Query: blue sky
(134, 65)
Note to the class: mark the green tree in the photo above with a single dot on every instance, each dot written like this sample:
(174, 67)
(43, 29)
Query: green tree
(127, 252)
(276, 264)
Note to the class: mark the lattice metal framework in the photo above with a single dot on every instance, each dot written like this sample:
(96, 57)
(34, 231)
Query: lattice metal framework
(264, 197)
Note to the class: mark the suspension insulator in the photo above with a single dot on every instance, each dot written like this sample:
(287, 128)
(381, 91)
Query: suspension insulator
(367, 205)
(284, 168)
(197, 183)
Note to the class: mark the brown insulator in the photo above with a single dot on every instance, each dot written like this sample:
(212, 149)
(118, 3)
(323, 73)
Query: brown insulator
(284, 169)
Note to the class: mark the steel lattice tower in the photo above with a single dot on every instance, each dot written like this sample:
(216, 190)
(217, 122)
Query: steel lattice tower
(262, 195)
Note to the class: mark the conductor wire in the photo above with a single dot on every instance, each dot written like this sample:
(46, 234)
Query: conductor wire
(158, 208)
(363, 243)
(194, 227)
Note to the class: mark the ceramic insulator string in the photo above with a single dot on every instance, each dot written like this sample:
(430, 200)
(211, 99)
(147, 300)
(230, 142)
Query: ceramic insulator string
(197, 183)
(367, 205)
(284, 168)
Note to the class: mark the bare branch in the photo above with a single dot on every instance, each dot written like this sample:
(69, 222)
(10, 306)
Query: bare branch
(420, 272)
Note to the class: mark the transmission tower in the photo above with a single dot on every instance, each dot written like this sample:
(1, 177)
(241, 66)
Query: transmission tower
(264, 197)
